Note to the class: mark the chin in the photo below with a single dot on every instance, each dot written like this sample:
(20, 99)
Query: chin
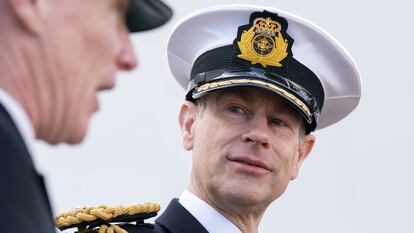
(68, 139)
(75, 140)
(249, 199)
(246, 194)
(77, 134)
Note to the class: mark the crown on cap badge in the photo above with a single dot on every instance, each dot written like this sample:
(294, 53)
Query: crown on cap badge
(263, 43)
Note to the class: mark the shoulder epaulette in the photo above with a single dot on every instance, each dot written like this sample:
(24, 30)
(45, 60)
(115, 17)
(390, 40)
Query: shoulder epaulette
(100, 219)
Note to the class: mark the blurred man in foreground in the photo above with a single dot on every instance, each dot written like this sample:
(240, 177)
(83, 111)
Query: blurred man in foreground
(54, 58)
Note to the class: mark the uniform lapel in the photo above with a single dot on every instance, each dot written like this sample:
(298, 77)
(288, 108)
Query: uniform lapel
(42, 187)
(32, 203)
(178, 220)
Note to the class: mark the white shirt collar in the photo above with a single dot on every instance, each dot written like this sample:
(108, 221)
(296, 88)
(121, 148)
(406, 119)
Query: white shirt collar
(210, 218)
(20, 118)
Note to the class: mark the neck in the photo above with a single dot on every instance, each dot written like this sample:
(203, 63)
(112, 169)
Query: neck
(245, 217)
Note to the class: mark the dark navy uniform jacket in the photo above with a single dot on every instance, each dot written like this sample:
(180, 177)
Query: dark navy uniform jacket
(175, 219)
(24, 205)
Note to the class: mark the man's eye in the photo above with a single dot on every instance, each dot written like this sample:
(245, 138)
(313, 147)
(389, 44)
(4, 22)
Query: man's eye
(278, 122)
(122, 7)
(235, 109)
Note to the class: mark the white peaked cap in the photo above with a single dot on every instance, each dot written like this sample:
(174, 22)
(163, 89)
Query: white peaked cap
(214, 27)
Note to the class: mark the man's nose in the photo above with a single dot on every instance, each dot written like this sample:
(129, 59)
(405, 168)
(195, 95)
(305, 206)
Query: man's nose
(257, 132)
(126, 59)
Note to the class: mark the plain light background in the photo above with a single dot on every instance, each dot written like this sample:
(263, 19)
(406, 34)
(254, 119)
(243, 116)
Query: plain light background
(359, 177)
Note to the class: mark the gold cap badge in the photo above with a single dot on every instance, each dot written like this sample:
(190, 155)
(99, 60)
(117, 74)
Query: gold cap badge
(263, 43)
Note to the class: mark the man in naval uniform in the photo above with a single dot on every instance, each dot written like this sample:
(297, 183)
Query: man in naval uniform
(55, 56)
(259, 81)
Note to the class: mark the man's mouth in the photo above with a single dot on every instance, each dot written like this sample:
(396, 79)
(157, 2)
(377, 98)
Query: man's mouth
(251, 163)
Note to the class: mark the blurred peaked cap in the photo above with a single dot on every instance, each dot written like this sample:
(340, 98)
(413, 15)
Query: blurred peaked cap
(245, 45)
(143, 15)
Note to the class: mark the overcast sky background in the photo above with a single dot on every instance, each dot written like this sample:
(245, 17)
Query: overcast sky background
(359, 177)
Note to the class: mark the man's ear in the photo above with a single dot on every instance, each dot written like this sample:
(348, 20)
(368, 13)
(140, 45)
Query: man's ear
(29, 13)
(304, 150)
(187, 117)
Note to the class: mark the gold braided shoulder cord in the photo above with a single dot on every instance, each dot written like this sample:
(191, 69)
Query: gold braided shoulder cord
(111, 229)
(80, 215)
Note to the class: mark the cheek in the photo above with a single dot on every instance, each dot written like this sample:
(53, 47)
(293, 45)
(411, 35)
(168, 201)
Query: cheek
(97, 68)
(218, 138)
(210, 140)
(99, 52)
(93, 41)
(291, 165)
(287, 155)
(87, 34)
(286, 136)
(285, 167)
